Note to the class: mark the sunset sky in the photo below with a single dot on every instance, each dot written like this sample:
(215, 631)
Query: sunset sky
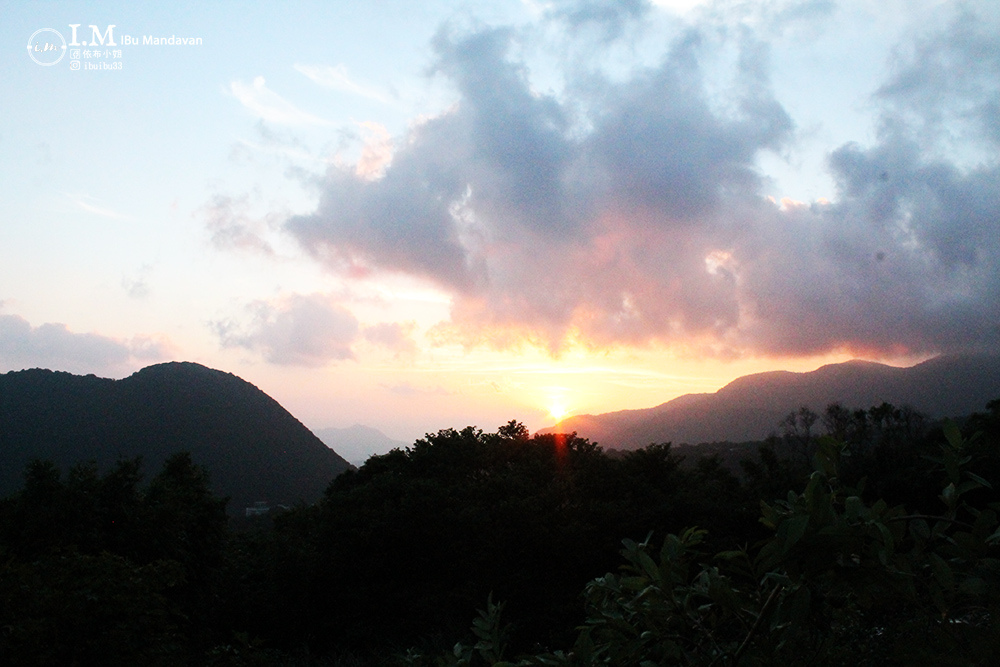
(419, 215)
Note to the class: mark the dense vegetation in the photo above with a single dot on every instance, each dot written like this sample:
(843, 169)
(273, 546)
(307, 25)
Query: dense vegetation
(875, 544)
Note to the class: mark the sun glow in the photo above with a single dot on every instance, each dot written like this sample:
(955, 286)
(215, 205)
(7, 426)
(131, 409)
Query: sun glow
(558, 411)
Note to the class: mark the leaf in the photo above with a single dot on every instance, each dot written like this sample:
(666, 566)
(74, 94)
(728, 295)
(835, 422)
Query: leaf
(854, 507)
(976, 478)
(793, 530)
(949, 496)
(887, 540)
(768, 515)
(942, 572)
(769, 555)
(919, 528)
(650, 568)
(952, 434)
(968, 485)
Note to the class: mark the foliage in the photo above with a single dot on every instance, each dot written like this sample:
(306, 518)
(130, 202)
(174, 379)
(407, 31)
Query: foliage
(840, 580)
(95, 570)
(893, 560)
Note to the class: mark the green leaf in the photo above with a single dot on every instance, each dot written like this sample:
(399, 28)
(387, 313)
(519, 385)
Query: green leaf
(968, 485)
(976, 478)
(649, 567)
(952, 434)
(919, 528)
(793, 530)
(886, 534)
(854, 507)
(942, 572)
(949, 496)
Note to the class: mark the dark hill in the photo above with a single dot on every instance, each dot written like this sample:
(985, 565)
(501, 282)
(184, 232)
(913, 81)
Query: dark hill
(751, 407)
(252, 447)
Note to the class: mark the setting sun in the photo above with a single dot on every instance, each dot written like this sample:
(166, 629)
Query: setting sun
(558, 411)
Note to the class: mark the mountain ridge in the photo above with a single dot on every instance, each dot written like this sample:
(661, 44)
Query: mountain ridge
(252, 447)
(751, 406)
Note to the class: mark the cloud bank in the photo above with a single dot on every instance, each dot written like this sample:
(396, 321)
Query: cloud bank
(55, 347)
(310, 330)
(630, 210)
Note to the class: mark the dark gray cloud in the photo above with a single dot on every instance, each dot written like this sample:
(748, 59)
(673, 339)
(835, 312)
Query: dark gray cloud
(907, 258)
(55, 347)
(631, 210)
(302, 330)
(661, 146)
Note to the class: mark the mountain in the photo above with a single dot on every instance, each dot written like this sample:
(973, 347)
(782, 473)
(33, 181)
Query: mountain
(358, 442)
(751, 407)
(252, 447)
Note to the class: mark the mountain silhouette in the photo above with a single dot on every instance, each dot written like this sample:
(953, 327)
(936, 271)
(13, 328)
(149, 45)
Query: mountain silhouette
(357, 443)
(253, 448)
(752, 406)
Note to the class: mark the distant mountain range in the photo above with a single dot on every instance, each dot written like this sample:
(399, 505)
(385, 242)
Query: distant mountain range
(751, 407)
(357, 443)
(253, 448)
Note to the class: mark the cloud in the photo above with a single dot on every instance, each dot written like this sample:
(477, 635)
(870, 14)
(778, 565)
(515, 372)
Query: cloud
(376, 152)
(231, 225)
(299, 330)
(631, 210)
(54, 346)
(906, 259)
(151, 348)
(609, 16)
(137, 286)
(87, 203)
(396, 337)
(406, 389)
(268, 105)
(946, 85)
(336, 77)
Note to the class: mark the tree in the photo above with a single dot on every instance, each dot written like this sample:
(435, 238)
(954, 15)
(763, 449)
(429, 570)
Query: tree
(96, 570)
(797, 432)
(840, 581)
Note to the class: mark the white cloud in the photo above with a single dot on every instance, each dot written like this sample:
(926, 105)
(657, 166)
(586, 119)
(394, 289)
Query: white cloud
(337, 78)
(268, 105)
(91, 205)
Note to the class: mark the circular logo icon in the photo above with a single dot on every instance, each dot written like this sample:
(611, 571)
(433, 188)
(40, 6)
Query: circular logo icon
(46, 46)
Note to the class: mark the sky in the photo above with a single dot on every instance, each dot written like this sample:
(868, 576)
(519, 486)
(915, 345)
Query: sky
(416, 216)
